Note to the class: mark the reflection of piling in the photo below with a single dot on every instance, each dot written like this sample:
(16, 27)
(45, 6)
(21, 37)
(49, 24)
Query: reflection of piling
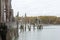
(22, 28)
(25, 28)
(39, 27)
(29, 27)
(34, 27)
(17, 29)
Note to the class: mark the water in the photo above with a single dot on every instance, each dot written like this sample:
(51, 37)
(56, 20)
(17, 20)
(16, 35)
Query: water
(50, 32)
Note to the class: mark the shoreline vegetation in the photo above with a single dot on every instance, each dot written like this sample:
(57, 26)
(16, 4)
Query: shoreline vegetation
(54, 20)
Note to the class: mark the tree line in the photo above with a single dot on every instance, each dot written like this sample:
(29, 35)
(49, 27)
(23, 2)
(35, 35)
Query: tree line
(42, 19)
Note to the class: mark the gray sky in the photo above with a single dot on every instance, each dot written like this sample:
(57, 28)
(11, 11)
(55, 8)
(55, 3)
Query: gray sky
(36, 7)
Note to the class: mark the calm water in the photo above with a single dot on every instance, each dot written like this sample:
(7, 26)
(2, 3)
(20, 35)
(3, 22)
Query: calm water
(50, 32)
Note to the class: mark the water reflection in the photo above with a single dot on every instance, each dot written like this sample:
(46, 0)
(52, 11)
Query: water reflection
(51, 32)
(30, 28)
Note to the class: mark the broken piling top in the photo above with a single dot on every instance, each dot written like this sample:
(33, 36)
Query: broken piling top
(25, 14)
(17, 13)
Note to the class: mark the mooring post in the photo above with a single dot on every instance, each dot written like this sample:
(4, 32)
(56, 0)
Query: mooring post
(17, 23)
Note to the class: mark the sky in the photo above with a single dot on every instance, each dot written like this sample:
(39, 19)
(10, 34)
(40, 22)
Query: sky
(36, 7)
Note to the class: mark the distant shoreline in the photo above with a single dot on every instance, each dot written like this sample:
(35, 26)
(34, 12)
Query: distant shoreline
(50, 24)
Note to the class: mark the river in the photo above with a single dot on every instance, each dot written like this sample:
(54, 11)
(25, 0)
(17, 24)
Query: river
(49, 32)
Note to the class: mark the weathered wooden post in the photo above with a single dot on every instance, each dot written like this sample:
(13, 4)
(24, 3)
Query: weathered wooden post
(25, 21)
(39, 24)
(22, 26)
(17, 23)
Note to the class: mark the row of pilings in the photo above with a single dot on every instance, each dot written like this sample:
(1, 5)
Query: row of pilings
(30, 27)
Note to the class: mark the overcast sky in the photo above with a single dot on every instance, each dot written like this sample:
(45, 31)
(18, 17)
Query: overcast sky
(36, 7)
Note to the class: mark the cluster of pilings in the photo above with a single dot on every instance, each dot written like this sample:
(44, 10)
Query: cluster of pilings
(24, 26)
